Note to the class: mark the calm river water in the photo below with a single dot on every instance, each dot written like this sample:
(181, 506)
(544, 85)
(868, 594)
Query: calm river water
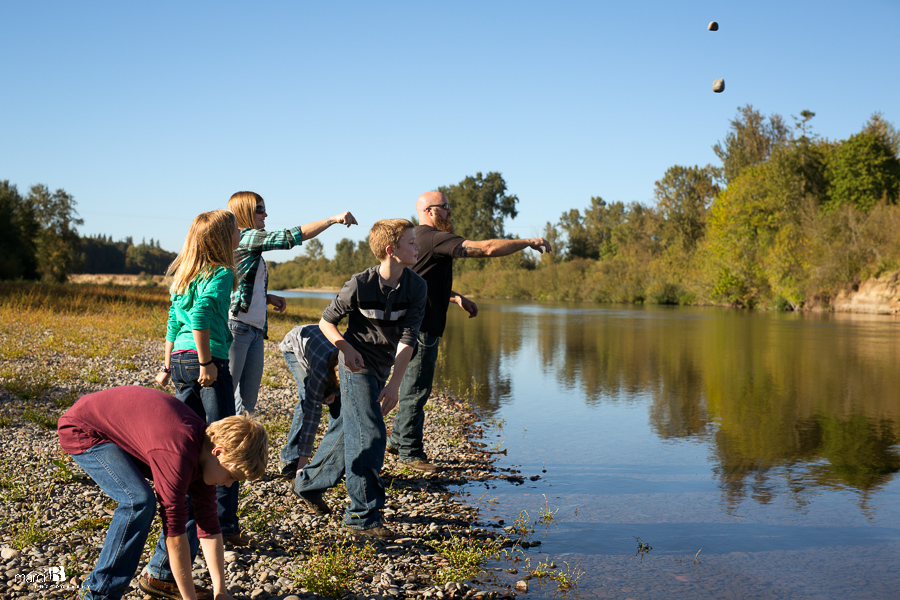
(755, 454)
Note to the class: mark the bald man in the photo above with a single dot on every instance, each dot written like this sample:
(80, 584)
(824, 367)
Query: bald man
(438, 246)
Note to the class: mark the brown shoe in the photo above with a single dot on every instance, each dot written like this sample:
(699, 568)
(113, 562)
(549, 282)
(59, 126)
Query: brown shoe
(238, 539)
(422, 466)
(379, 532)
(168, 589)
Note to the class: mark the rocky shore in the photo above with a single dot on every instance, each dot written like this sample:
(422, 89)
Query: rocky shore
(54, 519)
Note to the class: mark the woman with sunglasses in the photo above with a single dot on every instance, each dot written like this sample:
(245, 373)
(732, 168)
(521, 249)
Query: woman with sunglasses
(248, 320)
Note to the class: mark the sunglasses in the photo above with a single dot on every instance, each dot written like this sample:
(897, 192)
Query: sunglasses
(445, 206)
(260, 210)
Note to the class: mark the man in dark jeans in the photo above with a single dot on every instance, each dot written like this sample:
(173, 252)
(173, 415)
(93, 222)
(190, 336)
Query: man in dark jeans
(438, 246)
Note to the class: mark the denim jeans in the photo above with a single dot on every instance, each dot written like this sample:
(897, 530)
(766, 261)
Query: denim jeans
(246, 357)
(353, 446)
(415, 388)
(115, 472)
(212, 404)
(291, 451)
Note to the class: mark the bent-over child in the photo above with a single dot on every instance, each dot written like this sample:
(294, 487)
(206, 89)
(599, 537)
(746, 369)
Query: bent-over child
(313, 362)
(123, 436)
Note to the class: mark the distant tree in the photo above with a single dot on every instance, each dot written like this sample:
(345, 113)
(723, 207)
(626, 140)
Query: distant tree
(147, 258)
(99, 254)
(314, 249)
(750, 142)
(863, 171)
(58, 246)
(480, 204)
(683, 197)
(343, 256)
(555, 239)
(577, 241)
(17, 244)
(884, 130)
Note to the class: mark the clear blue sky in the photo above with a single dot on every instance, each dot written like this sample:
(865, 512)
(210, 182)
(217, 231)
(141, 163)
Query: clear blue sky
(151, 112)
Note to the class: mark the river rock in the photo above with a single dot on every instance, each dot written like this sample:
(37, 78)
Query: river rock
(713, 26)
(9, 553)
(718, 86)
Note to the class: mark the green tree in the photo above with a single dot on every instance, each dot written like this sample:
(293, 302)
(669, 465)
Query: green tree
(343, 256)
(480, 204)
(17, 245)
(101, 255)
(58, 243)
(863, 171)
(314, 249)
(750, 142)
(578, 243)
(884, 130)
(683, 197)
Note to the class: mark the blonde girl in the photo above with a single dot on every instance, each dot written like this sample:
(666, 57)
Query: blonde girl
(197, 345)
(248, 319)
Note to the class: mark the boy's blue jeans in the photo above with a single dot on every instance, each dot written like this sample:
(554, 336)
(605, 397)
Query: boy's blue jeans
(407, 434)
(114, 471)
(305, 409)
(353, 446)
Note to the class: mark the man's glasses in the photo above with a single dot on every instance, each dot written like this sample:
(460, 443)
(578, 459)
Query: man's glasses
(445, 206)
(260, 210)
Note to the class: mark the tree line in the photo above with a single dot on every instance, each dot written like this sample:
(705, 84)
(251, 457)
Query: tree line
(787, 220)
(41, 240)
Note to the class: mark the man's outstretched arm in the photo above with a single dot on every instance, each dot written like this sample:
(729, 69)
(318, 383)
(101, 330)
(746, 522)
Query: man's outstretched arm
(499, 247)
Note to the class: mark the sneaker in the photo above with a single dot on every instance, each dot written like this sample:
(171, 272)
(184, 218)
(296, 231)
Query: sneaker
(392, 450)
(238, 539)
(287, 470)
(168, 589)
(378, 532)
(315, 505)
(420, 465)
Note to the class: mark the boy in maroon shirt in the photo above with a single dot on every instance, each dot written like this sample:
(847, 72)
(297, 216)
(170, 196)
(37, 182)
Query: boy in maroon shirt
(123, 436)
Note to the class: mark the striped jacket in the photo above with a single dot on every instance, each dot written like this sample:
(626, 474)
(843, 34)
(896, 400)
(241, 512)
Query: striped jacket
(379, 317)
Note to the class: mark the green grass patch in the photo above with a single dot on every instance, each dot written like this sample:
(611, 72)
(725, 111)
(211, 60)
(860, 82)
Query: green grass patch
(330, 571)
(39, 417)
(466, 557)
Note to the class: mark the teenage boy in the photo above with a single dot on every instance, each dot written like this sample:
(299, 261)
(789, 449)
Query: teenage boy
(313, 362)
(384, 306)
(123, 436)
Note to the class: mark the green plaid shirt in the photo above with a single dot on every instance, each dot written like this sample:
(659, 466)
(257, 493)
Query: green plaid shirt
(246, 260)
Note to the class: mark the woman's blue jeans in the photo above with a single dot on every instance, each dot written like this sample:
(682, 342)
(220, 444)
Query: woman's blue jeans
(246, 357)
(353, 446)
(212, 404)
(115, 472)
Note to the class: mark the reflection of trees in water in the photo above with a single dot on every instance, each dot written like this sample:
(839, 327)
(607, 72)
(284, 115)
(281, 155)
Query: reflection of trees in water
(798, 408)
(855, 452)
(788, 403)
(471, 355)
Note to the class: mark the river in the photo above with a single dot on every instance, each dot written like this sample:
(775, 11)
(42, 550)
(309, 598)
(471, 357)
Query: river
(671, 453)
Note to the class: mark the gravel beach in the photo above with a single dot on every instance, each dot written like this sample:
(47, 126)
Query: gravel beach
(63, 515)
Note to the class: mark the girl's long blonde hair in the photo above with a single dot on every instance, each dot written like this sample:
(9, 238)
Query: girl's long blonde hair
(243, 205)
(209, 244)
